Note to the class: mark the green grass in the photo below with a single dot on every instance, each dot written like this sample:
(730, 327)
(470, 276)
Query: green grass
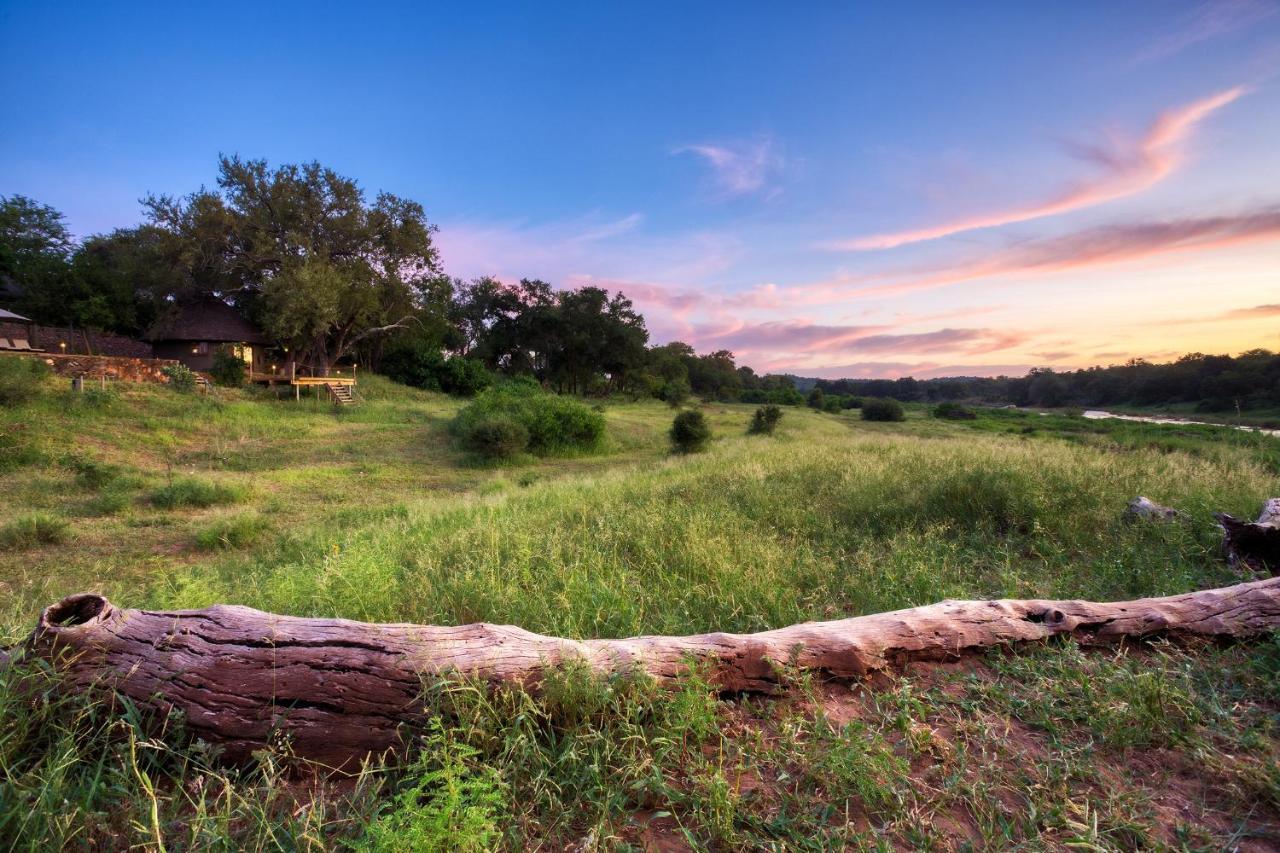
(33, 529)
(375, 513)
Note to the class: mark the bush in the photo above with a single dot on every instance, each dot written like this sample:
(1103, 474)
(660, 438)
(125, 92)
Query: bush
(181, 378)
(953, 412)
(833, 405)
(498, 437)
(189, 491)
(228, 368)
(690, 432)
(20, 379)
(674, 392)
(877, 409)
(426, 367)
(31, 530)
(551, 423)
(817, 399)
(765, 420)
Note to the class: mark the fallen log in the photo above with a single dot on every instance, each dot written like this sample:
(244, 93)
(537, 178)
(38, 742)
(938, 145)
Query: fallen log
(340, 690)
(1253, 545)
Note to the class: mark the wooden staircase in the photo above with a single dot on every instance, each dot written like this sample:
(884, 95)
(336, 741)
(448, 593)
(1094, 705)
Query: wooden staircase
(341, 395)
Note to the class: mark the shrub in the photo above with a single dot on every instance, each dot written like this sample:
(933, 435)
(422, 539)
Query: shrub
(953, 412)
(499, 437)
(228, 368)
(817, 399)
(852, 402)
(833, 405)
(454, 800)
(20, 379)
(882, 409)
(674, 392)
(189, 491)
(765, 420)
(181, 378)
(690, 432)
(35, 529)
(551, 423)
(426, 367)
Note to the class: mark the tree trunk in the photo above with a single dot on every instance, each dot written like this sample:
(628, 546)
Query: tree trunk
(341, 690)
(1254, 545)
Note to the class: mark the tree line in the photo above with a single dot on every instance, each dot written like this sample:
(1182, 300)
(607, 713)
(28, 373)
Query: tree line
(1213, 383)
(335, 275)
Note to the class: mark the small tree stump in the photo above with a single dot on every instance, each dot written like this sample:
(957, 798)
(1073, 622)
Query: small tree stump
(1253, 545)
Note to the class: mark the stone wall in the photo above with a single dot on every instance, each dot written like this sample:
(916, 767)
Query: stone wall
(97, 366)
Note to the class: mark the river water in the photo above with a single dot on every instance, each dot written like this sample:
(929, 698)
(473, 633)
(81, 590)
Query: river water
(1098, 414)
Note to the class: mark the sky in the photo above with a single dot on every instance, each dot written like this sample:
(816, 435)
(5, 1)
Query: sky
(828, 189)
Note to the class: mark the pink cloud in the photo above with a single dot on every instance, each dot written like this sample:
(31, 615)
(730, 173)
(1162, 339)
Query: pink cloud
(899, 369)
(1127, 168)
(1083, 249)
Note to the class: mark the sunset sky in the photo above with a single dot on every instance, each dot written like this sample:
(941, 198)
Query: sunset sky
(830, 189)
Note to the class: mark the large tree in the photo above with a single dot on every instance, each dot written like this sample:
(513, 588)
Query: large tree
(301, 249)
(35, 254)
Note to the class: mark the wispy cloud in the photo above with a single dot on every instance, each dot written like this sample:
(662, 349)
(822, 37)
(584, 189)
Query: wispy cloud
(741, 168)
(1257, 312)
(1208, 20)
(1126, 167)
(1091, 248)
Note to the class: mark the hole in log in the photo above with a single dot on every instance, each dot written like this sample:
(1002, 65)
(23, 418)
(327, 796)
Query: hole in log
(74, 610)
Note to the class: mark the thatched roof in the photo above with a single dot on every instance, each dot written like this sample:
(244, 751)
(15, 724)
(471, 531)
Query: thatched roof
(209, 320)
(12, 317)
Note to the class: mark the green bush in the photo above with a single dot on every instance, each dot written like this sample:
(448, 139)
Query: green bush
(817, 399)
(953, 412)
(674, 392)
(765, 420)
(181, 378)
(20, 379)
(189, 491)
(553, 424)
(28, 531)
(228, 368)
(499, 437)
(690, 432)
(426, 367)
(877, 409)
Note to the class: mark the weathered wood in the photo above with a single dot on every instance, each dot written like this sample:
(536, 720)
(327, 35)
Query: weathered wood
(1254, 545)
(341, 690)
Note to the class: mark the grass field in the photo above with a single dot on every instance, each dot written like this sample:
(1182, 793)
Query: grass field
(163, 500)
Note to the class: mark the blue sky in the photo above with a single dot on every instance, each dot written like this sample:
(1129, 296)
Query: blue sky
(829, 188)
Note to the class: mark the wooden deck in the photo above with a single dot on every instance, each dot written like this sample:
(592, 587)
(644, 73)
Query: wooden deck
(322, 380)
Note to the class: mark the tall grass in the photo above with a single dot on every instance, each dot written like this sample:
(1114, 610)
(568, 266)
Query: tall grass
(751, 537)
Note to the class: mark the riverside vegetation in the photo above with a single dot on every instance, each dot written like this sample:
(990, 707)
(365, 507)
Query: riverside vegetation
(382, 512)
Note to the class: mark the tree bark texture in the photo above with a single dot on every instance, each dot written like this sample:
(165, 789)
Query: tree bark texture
(1254, 545)
(340, 690)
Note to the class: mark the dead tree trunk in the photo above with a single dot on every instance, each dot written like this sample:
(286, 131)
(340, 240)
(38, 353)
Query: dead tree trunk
(1254, 545)
(341, 690)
